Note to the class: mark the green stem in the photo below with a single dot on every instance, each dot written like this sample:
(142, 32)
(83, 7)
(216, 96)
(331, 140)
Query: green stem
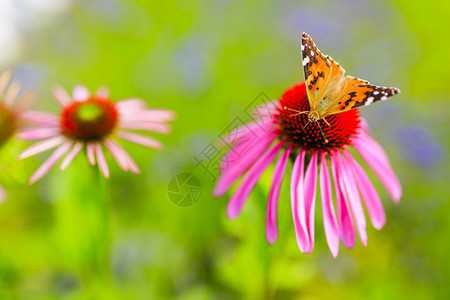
(82, 224)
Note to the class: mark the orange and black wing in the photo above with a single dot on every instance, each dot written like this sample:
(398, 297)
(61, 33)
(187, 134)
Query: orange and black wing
(322, 73)
(356, 92)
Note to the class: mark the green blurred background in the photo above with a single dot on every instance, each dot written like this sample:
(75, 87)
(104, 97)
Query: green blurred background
(209, 61)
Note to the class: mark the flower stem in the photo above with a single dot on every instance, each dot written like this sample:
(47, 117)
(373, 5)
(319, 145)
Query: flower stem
(82, 225)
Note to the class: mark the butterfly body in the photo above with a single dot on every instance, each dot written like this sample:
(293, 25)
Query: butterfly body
(329, 91)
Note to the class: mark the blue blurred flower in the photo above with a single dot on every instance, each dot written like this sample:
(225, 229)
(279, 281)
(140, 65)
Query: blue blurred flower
(420, 146)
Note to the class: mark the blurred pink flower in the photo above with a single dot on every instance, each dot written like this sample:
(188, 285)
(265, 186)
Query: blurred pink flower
(11, 113)
(93, 122)
(306, 146)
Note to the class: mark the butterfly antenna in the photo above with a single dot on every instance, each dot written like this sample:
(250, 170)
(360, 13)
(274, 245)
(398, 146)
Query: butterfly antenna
(305, 126)
(297, 112)
(323, 134)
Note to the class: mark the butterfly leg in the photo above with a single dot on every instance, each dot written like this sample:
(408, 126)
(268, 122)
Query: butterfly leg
(323, 134)
(305, 126)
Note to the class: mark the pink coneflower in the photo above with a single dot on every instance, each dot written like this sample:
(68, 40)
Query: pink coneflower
(289, 136)
(93, 122)
(11, 113)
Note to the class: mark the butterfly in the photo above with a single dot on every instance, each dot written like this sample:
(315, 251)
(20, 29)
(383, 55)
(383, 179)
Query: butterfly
(329, 91)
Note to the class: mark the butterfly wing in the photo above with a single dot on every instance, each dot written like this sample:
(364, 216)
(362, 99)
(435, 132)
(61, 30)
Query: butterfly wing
(356, 92)
(322, 73)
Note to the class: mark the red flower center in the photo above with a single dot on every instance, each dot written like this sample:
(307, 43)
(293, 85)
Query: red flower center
(8, 124)
(296, 130)
(92, 119)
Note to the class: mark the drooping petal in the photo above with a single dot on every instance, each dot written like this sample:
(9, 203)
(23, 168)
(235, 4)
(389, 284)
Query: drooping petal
(2, 194)
(146, 125)
(4, 81)
(298, 203)
(102, 164)
(243, 144)
(38, 133)
(130, 104)
(373, 146)
(121, 161)
(42, 146)
(330, 223)
(250, 131)
(80, 93)
(90, 152)
(241, 163)
(347, 230)
(122, 155)
(349, 185)
(61, 96)
(251, 178)
(368, 193)
(140, 139)
(25, 102)
(154, 115)
(71, 155)
(381, 169)
(309, 190)
(11, 94)
(102, 92)
(272, 203)
(40, 118)
(50, 162)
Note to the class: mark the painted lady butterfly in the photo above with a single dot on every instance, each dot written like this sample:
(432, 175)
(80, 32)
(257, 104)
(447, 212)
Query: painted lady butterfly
(329, 91)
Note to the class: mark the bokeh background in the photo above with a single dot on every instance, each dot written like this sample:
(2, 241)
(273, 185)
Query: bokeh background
(210, 61)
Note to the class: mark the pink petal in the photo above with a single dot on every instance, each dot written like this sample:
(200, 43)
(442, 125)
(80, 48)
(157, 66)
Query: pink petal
(246, 132)
(330, 223)
(80, 93)
(4, 81)
(154, 115)
(148, 126)
(71, 155)
(11, 94)
(381, 168)
(38, 133)
(61, 96)
(251, 178)
(123, 154)
(121, 161)
(132, 104)
(364, 126)
(349, 185)
(298, 203)
(2, 194)
(42, 147)
(374, 147)
(25, 102)
(272, 203)
(347, 231)
(140, 139)
(244, 143)
(368, 193)
(40, 118)
(90, 152)
(101, 160)
(242, 163)
(309, 190)
(50, 162)
(102, 92)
